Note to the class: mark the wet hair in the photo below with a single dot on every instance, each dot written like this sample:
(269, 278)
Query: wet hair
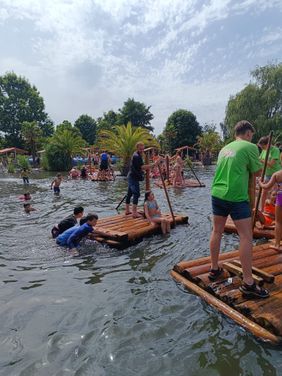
(26, 205)
(26, 194)
(78, 210)
(89, 217)
(147, 194)
(243, 127)
(263, 140)
(58, 175)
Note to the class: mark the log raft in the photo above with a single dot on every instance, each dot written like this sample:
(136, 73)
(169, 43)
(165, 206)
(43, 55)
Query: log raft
(262, 317)
(121, 231)
(188, 183)
(258, 233)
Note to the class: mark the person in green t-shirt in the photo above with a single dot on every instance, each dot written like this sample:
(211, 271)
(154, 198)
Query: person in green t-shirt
(236, 161)
(273, 163)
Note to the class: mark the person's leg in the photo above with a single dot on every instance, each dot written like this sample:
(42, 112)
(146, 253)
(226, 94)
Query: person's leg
(244, 228)
(127, 202)
(278, 227)
(215, 239)
(167, 226)
(136, 194)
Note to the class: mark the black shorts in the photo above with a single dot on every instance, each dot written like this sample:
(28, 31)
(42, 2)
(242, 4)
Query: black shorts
(236, 210)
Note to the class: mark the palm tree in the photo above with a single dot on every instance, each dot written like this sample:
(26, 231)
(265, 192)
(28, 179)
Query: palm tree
(32, 135)
(122, 141)
(209, 142)
(62, 147)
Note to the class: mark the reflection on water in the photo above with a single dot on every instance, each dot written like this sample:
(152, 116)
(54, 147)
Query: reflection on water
(109, 312)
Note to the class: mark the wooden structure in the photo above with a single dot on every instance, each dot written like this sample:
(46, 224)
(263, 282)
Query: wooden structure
(189, 183)
(258, 233)
(121, 231)
(262, 317)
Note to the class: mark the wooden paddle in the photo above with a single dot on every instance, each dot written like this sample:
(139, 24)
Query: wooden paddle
(262, 176)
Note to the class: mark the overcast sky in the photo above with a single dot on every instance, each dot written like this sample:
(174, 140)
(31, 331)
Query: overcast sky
(89, 56)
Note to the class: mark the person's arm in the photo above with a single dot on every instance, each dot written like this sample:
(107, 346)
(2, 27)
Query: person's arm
(146, 211)
(269, 184)
(52, 184)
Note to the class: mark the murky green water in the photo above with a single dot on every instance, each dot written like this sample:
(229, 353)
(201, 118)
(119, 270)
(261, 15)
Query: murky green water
(110, 312)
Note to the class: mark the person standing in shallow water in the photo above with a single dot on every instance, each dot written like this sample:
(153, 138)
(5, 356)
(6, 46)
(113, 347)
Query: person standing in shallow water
(135, 175)
(236, 161)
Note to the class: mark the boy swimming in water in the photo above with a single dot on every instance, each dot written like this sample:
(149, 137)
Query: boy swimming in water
(28, 208)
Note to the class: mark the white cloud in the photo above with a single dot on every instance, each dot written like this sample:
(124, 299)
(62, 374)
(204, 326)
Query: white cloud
(90, 56)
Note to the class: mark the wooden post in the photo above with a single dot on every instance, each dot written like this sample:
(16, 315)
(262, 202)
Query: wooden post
(262, 176)
(252, 193)
(166, 194)
(147, 177)
(167, 169)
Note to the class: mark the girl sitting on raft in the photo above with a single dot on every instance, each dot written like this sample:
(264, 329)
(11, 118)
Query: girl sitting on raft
(153, 213)
(276, 179)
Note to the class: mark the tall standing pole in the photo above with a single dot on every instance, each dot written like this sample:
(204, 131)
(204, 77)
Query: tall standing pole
(167, 169)
(147, 176)
(262, 176)
(167, 197)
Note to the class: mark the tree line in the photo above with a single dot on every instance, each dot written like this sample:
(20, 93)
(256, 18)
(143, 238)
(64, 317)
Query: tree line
(24, 122)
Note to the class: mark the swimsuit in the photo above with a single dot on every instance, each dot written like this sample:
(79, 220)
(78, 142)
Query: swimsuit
(153, 205)
(56, 189)
(279, 195)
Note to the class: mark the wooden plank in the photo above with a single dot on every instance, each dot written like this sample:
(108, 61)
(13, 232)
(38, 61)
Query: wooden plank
(237, 270)
(248, 324)
(266, 276)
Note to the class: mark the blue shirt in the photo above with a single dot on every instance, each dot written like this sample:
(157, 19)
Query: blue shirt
(71, 237)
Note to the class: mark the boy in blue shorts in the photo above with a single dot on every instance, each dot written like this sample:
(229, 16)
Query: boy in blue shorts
(236, 161)
(73, 236)
(55, 185)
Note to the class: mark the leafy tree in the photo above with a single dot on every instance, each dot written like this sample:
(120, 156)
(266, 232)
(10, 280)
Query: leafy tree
(32, 135)
(181, 129)
(87, 126)
(66, 125)
(209, 143)
(61, 148)
(259, 102)
(122, 140)
(108, 121)
(137, 113)
(19, 102)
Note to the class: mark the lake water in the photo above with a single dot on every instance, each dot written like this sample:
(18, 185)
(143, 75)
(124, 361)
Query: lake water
(110, 312)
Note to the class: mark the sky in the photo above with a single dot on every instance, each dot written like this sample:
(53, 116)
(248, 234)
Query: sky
(90, 56)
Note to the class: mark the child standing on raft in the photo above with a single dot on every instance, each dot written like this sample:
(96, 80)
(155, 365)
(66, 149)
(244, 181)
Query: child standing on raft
(153, 213)
(276, 179)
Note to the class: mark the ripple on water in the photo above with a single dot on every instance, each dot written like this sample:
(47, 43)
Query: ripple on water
(110, 312)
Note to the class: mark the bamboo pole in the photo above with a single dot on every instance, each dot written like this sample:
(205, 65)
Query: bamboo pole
(166, 194)
(147, 177)
(262, 176)
(167, 169)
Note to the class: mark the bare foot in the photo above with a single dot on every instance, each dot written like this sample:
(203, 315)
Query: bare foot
(127, 213)
(137, 215)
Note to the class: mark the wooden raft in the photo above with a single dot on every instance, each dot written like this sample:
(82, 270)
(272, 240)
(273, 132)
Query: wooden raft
(258, 233)
(262, 317)
(121, 231)
(189, 183)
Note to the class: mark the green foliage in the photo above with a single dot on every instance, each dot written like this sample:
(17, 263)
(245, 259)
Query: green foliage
(122, 142)
(87, 127)
(137, 113)
(22, 161)
(19, 102)
(44, 162)
(66, 125)
(62, 147)
(108, 121)
(209, 141)
(11, 168)
(181, 129)
(259, 102)
(32, 135)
